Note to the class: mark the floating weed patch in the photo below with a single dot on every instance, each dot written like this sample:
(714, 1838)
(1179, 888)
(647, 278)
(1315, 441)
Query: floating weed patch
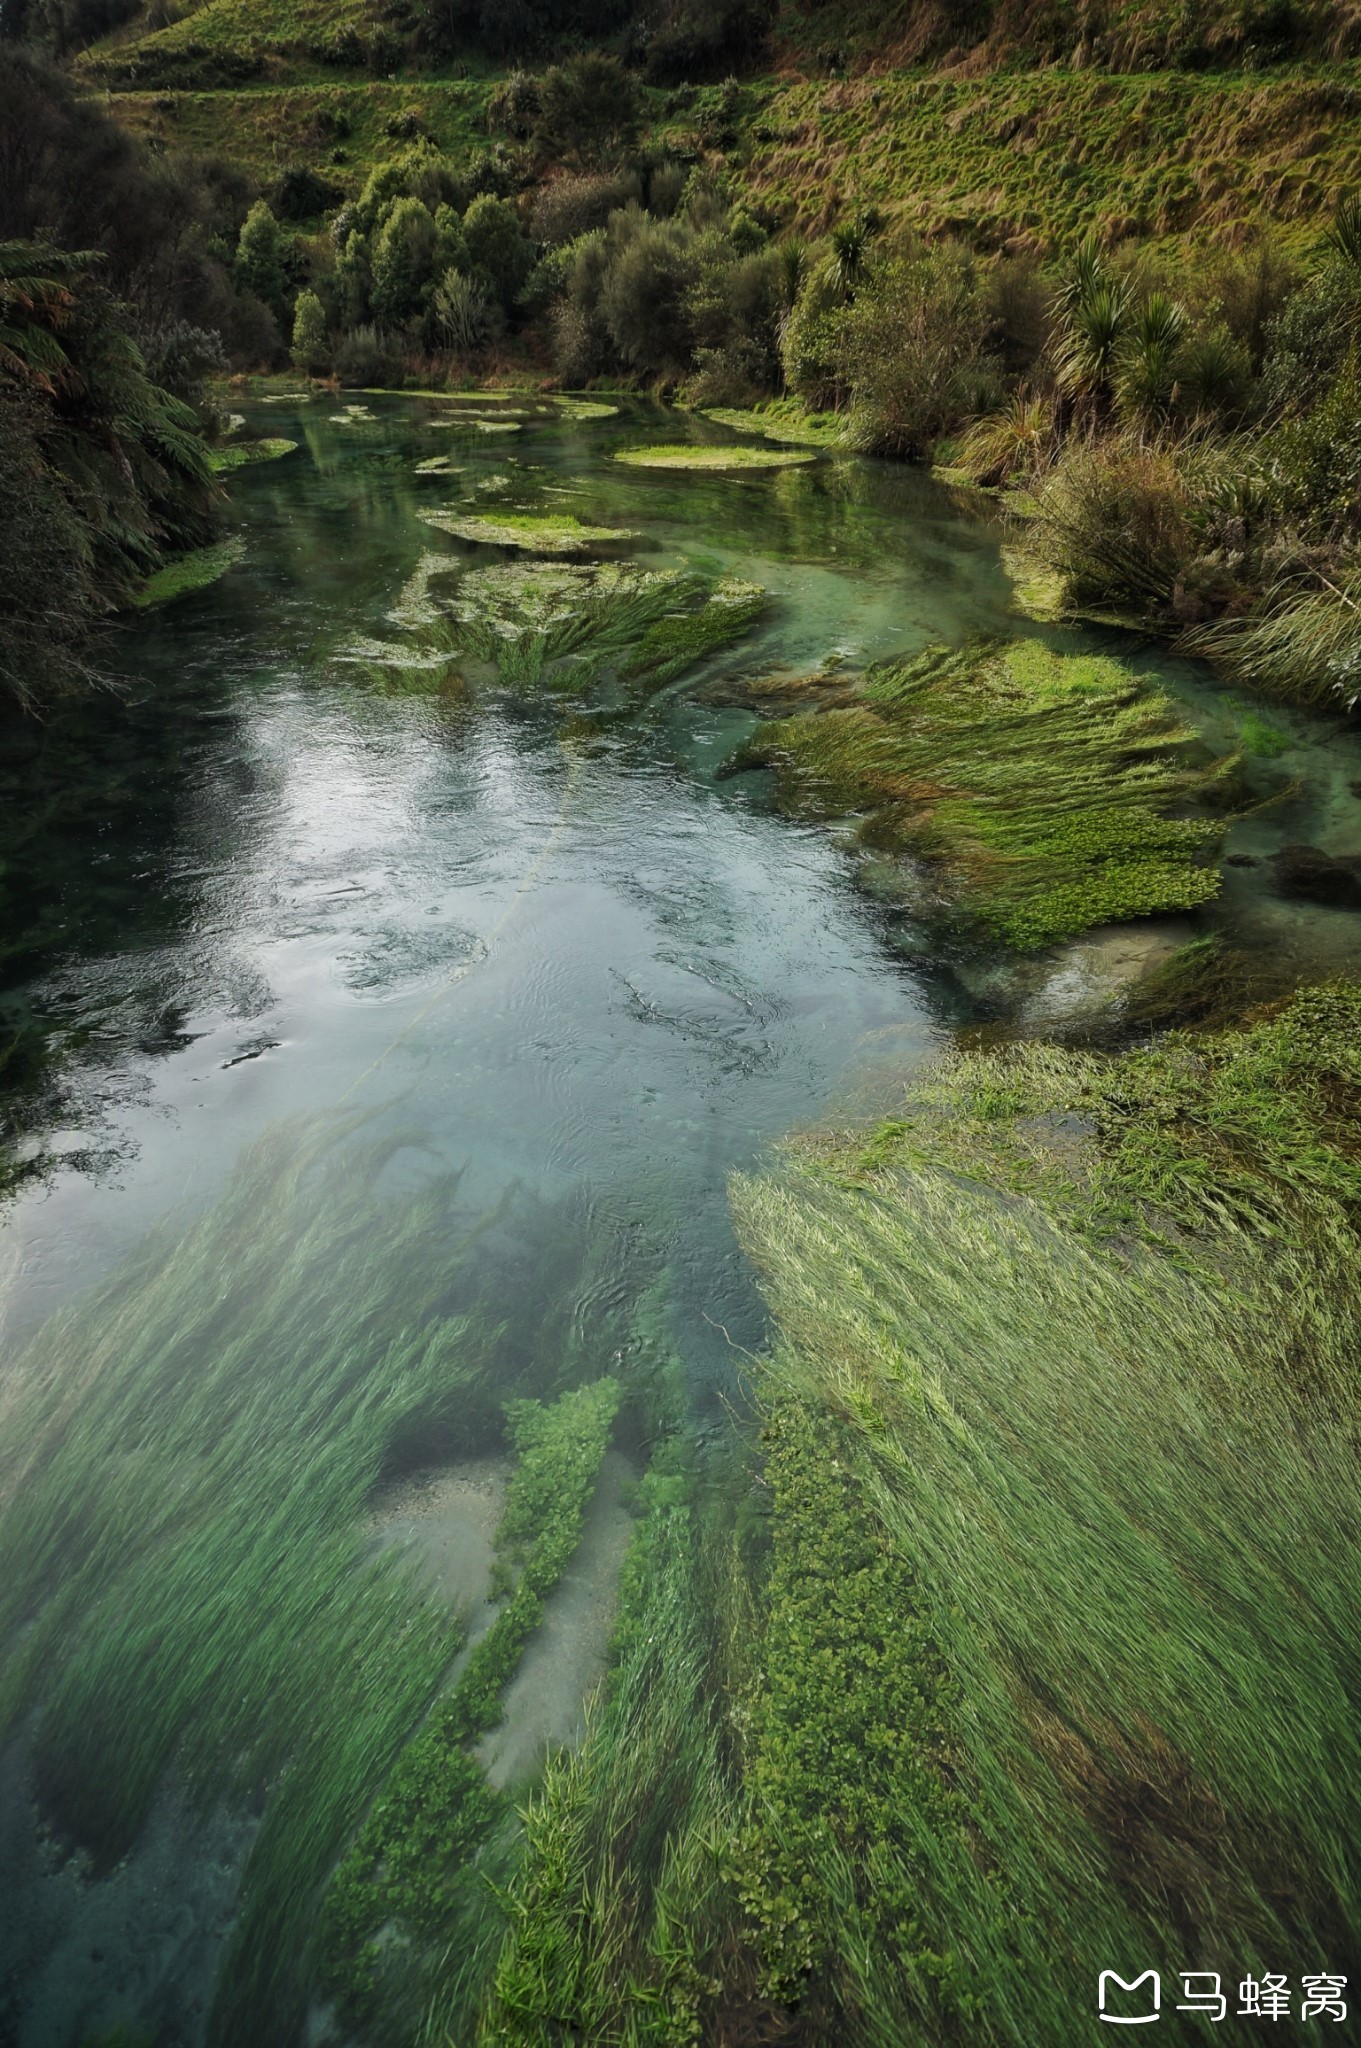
(585, 408)
(472, 423)
(407, 1875)
(786, 423)
(439, 465)
(696, 456)
(1111, 1496)
(192, 571)
(536, 533)
(237, 454)
(1039, 784)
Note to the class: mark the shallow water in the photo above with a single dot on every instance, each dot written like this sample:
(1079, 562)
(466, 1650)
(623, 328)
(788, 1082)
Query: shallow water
(554, 951)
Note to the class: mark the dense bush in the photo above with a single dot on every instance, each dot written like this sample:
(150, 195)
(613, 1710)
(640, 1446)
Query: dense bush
(101, 470)
(915, 350)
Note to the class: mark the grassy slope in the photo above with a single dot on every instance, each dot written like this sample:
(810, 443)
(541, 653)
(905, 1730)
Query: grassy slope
(1034, 152)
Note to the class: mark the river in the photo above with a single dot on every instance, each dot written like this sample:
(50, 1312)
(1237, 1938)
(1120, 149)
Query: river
(543, 944)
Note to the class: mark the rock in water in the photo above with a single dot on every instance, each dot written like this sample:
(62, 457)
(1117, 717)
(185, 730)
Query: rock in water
(1313, 876)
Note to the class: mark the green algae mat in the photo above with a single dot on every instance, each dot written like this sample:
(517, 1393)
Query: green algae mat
(537, 533)
(688, 455)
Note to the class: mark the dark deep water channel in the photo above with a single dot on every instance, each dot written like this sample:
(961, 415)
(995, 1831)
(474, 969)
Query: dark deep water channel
(554, 951)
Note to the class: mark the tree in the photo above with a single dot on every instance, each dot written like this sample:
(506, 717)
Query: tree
(498, 248)
(259, 266)
(403, 255)
(311, 349)
(589, 111)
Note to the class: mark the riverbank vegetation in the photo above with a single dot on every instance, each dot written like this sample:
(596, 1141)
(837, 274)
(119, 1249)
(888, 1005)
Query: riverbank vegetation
(634, 197)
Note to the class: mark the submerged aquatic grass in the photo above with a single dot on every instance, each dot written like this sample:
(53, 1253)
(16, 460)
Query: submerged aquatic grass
(784, 421)
(407, 1877)
(573, 628)
(1044, 788)
(183, 1567)
(238, 454)
(1123, 1490)
(188, 572)
(1033, 1639)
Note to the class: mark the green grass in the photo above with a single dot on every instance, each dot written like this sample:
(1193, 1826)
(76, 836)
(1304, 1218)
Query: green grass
(1164, 156)
(690, 455)
(1038, 785)
(537, 533)
(189, 572)
(237, 454)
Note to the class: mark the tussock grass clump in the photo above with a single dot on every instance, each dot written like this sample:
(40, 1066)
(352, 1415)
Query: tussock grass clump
(1040, 784)
(1302, 641)
(1119, 1491)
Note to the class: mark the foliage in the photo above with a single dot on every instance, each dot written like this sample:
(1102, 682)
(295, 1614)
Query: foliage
(311, 347)
(588, 113)
(461, 313)
(1302, 640)
(104, 470)
(915, 351)
(259, 264)
(1039, 785)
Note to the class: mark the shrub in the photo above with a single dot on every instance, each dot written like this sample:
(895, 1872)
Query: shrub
(370, 357)
(497, 248)
(461, 313)
(589, 111)
(915, 351)
(403, 255)
(1115, 521)
(574, 202)
(259, 265)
